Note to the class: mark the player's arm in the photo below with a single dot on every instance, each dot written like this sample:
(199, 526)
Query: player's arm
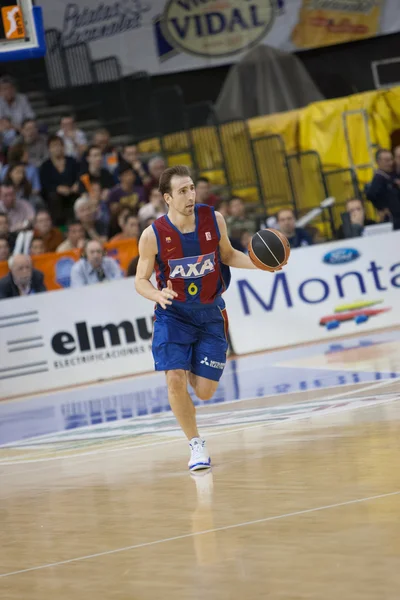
(144, 287)
(230, 256)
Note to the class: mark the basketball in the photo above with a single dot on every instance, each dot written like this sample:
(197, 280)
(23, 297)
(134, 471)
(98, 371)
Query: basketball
(269, 250)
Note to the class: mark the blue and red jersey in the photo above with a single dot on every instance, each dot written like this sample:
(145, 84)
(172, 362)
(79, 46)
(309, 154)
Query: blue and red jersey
(191, 261)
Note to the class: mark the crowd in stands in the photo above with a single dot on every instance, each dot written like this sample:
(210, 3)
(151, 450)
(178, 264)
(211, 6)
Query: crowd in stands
(63, 192)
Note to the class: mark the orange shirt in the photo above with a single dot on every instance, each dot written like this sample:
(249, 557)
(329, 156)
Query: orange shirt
(52, 240)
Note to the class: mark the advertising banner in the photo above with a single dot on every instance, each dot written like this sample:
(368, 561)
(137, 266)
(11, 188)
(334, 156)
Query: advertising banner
(325, 291)
(162, 36)
(56, 267)
(88, 334)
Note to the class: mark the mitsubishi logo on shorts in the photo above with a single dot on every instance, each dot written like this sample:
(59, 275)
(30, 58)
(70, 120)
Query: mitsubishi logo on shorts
(214, 364)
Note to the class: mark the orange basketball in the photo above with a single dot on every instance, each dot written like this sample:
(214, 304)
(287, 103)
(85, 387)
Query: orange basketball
(269, 250)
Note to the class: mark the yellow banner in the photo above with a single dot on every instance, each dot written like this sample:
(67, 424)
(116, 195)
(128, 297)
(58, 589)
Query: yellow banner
(326, 22)
(56, 267)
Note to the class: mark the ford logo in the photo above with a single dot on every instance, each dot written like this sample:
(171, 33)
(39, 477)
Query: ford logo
(341, 256)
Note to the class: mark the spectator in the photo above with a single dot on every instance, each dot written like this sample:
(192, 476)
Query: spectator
(13, 105)
(8, 134)
(156, 167)
(127, 191)
(131, 156)
(59, 177)
(95, 173)
(94, 267)
(4, 248)
(396, 154)
(101, 139)
(101, 207)
(75, 140)
(20, 213)
(34, 142)
(37, 246)
(154, 209)
(22, 280)
(245, 239)
(75, 237)
(383, 191)
(86, 215)
(43, 229)
(16, 176)
(5, 230)
(117, 220)
(18, 154)
(203, 192)
(237, 220)
(223, 208)
(287, 225)
(130, 229)
(355, 208)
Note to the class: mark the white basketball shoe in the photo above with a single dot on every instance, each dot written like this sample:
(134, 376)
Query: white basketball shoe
(199, 457)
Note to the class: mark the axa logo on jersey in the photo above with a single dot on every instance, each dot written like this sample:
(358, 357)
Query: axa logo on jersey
(192, 267)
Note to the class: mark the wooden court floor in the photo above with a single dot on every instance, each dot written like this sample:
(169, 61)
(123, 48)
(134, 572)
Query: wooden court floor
(307, 507)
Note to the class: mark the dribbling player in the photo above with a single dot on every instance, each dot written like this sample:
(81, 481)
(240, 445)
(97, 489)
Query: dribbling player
(191, 253)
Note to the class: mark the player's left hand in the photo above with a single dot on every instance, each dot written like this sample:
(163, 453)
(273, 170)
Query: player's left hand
(166, 295)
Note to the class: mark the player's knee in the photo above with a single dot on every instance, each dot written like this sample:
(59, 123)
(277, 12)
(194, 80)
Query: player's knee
(176, 380)
(205, 392)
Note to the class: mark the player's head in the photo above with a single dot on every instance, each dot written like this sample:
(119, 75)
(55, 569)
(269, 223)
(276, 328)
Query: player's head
(177, 189)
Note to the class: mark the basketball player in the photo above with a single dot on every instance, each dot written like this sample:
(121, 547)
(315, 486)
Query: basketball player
(191, 253)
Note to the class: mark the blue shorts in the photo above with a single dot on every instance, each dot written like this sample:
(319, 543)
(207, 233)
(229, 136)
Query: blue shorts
(192, 339)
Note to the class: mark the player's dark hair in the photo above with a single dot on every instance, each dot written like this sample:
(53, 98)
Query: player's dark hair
(168, 174)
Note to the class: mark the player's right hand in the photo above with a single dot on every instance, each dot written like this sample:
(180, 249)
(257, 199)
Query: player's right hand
(166, 295)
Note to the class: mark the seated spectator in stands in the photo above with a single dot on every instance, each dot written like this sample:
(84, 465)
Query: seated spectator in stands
(59, 176)
(127, 191)
(22, 280)
(17, 154)
(297, 236)
(94, 267)
(34, 142)
(43, 229)
(102, 140)
(75, 237)
(101, 207)
(237, 220)
(355, 208)
(5, 230)
(85, 213)
(8, 134)
(396, 173)
(130, 155)
(4, 248)
(117, 220)
(383, 192)
(130, 229)
(96, 173)
(223, 208)
(16, 176)
(75, 140)
(203, 192)
(20, 213)
(37, 246)
(154, 209)
(156, 167)
(245, 239)
(13, 105)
